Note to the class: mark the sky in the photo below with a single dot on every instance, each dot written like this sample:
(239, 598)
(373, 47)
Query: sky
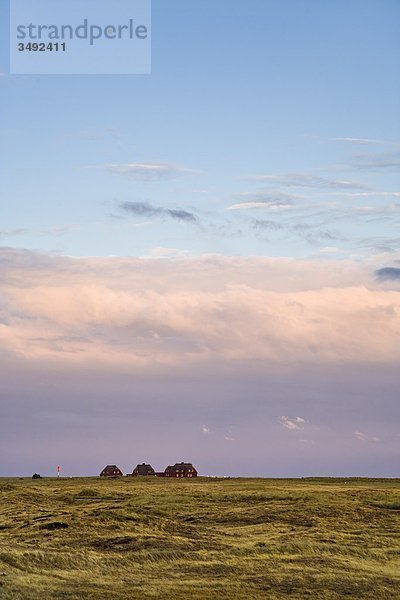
(202, 263)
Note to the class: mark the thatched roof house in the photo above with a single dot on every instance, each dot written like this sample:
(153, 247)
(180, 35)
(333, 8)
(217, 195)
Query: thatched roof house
(111, 471)
(180, 470)
(143, 469)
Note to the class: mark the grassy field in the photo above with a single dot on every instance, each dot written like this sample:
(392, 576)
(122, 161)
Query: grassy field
(137, 538)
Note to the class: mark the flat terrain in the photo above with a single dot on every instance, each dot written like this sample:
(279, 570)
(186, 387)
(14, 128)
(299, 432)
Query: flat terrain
(138, 538)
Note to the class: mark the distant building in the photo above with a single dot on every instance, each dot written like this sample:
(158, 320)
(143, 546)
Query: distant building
(180, 470)
(143, 469)
(111, 471)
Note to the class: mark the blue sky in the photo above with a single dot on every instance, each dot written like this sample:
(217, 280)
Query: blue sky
(236, 91)
(258, 168)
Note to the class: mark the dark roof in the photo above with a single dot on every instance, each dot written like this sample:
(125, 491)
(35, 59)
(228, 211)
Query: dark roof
(144, 469)
(180, 466)
(111, 470)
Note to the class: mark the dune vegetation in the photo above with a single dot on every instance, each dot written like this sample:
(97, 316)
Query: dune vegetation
(225, 539)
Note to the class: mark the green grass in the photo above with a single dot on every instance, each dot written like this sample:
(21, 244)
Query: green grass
(242, 539)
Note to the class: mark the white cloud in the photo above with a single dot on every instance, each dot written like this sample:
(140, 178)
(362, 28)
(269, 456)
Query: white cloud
(358, 141)
(363, 437)
(292, 423)
(303, 180)
(148, 171)
(228, 436)
(369, 194)
(206, 430)
(271, 206)
(268, 200)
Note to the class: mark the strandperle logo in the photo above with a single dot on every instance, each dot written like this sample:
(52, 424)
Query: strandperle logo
(80, 37)
(85, 31)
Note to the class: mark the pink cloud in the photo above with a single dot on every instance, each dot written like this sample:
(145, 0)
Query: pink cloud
(132, 312)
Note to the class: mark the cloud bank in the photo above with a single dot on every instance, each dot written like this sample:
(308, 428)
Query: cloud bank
(140, 313)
